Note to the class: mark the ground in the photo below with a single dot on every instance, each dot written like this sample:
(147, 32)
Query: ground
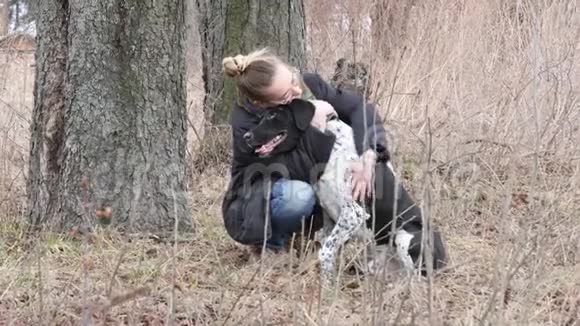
(495, 274)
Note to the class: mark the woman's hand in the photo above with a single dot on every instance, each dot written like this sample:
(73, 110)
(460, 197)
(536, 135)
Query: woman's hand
(362, 176)
(322, 110)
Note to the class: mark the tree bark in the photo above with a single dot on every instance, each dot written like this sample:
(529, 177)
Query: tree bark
(108, 141)
(389, 25)
(4, 17)
(233, 27)
(17, 15)
(211, 20)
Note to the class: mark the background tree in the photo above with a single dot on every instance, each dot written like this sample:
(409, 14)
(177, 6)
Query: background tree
(109, 121)
(4, 17)
(390, 20)
(18, 12)
(232, 27)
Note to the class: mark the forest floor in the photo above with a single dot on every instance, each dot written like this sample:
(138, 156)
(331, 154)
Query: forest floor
(496, 275)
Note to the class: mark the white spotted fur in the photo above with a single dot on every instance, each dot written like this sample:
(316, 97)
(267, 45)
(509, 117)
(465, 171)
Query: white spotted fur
(344, 218)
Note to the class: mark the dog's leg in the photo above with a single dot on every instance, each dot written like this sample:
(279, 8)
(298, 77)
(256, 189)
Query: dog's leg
(335, 192)
(331, 200)
(403, 242)
(327, 227)
(351, 219)
(366, 259)
(410, 249)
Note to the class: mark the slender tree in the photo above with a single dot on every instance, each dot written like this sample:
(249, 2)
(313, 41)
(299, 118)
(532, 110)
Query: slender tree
(4, 17)
(390, 20)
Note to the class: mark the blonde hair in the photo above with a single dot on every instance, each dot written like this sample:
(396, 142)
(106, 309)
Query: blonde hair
(253, 73)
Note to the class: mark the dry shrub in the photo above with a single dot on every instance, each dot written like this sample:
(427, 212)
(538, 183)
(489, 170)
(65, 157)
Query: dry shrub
(18, 42)
(16, 86)
(215, 151)
(484, 100)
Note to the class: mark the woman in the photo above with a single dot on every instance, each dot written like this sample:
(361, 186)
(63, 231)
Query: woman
(264, 81)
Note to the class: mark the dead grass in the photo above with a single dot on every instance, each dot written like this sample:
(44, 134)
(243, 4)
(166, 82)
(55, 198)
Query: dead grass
(487, 90)
(217, 281)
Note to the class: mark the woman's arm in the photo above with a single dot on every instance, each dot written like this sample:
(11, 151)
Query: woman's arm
(367, 125)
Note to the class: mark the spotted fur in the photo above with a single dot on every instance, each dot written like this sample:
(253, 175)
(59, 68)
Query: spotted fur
(344, 218)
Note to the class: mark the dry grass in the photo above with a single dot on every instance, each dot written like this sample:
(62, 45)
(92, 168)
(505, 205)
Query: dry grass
(487, 90)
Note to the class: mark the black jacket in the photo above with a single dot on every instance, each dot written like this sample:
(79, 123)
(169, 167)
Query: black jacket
(244, 205)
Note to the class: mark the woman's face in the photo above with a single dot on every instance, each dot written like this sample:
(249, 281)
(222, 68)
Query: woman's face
(285, 87)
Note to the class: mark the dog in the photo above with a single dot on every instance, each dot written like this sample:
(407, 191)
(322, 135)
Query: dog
(282, 128)
(344, 218)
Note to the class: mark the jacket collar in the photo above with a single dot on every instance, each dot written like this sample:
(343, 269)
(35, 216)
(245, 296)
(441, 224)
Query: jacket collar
(252, 109)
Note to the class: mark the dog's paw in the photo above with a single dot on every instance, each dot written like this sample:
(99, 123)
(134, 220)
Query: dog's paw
(326, 262)
(403, 242)
(327, 287)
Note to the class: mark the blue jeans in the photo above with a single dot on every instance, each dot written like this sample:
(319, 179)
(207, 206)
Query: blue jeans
(291, 201)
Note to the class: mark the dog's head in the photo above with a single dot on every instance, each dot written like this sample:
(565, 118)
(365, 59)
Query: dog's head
(280, 128)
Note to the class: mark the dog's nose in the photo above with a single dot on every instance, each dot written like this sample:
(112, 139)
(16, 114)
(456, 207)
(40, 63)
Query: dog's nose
(247, 136)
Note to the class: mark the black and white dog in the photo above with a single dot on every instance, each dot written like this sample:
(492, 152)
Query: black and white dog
(343, 216)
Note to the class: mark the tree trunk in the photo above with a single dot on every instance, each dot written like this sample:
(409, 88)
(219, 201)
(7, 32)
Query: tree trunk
(17, 15)
(232, 27)
(4, 17)
(389, 25)
(211, 20)
(108, 136)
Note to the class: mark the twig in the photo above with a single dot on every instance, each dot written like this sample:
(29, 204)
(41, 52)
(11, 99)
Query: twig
(405, 298)
(240, 295)
(86, 316)
(489, 141)
(40, 295)
(131, 295)
(508, 279)
(173, 263)
(308, 318)
(115, 271)
(199, 139)
(395, 78)
(265, 240)
(16, 112)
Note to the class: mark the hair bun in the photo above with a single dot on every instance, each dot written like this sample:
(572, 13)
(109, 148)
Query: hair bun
(235, 66)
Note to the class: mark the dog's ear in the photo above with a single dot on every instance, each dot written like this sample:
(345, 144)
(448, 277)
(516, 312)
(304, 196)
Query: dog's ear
(303, 112)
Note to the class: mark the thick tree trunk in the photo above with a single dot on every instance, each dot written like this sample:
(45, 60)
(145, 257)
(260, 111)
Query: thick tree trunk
(4, 17)
(109, 122)
(236, 26)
